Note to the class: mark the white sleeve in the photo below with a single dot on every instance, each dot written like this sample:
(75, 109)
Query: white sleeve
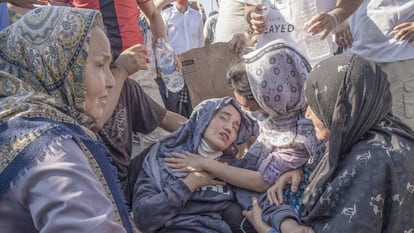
(207, 28)
(201, 34)
(63, 195)
(254, 2)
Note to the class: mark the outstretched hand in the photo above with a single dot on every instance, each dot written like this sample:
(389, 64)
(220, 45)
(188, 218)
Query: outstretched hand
(324, 22)
(405, 31)
(30, 4)
(292, 178)
(184, 162)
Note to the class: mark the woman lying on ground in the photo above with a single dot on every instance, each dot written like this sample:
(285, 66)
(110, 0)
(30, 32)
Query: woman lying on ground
(168, 201)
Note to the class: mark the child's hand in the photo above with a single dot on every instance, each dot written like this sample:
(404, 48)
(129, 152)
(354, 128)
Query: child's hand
(292, 178)
(185, 162)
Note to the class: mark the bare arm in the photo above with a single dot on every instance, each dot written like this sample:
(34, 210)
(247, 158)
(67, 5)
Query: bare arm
(326, 22)
(156, 22)
(157, 25)
(159, 4)
(345, 8)
(128, 62)
(172, 121)
(244, 178)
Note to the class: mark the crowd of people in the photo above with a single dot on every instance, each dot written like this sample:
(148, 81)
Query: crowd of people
(317, 137)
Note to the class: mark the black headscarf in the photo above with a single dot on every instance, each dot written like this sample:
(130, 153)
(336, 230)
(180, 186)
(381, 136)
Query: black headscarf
(351, 96)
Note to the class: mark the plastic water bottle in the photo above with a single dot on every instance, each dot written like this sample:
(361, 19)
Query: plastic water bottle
(173, 79)
(316, 48)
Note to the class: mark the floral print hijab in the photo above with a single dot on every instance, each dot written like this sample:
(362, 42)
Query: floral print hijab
(42, 64)
(42, 95)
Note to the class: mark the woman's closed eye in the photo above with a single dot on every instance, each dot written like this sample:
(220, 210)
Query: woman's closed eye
(236, 127)
(224, 117)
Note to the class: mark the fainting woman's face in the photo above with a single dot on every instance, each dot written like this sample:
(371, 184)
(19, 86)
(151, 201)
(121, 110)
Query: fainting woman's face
(223, 128)
(99, 77)
(321, 131)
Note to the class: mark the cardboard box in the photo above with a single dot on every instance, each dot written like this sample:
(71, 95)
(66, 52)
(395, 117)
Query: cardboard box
(204, 71)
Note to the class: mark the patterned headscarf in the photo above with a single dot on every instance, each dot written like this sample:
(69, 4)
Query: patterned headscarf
(42, 65)
(189, 135)
(42, 94)
(277, 74)
(352, 97)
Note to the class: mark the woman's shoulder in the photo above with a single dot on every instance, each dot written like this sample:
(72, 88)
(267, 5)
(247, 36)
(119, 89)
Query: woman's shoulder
(388, 147)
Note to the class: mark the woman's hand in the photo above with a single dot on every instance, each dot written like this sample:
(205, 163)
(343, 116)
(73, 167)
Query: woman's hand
(185, 162)
(255, 217)
(292, 178)
(405, 31)
(324, 22)
(343, 38)
(196, 180)
(256, 20)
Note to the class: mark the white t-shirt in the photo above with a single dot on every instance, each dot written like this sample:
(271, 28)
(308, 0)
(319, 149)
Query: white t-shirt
(184, 30)
(285, 20)
(231, 19)
(372, 27)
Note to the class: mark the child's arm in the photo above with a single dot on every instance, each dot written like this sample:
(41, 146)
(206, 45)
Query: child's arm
(244, 178)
